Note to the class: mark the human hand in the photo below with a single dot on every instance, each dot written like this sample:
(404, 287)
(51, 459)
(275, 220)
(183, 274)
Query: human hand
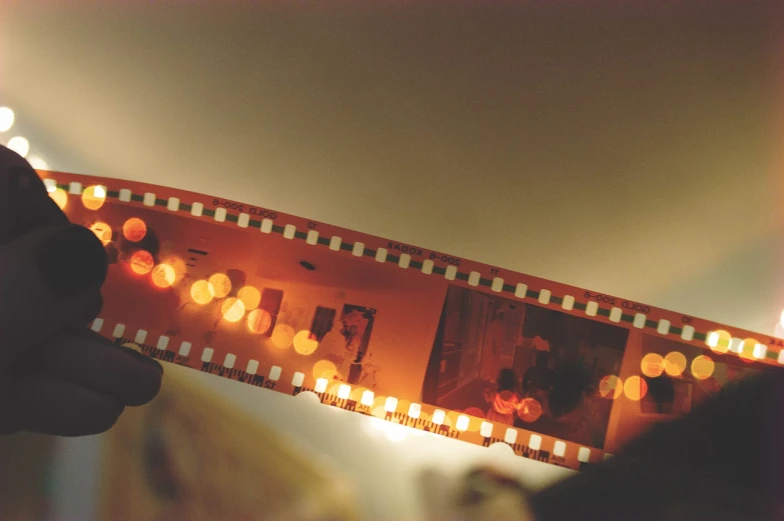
(56, 376)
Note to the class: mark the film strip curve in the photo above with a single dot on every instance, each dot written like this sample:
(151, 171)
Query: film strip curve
(592, 308)
(419, 416)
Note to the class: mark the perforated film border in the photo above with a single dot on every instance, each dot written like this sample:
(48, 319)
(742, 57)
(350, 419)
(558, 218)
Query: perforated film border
(712, 338)
(424, 417)
(437, 421)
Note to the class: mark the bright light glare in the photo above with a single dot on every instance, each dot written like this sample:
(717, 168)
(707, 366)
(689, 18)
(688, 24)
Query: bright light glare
(396, 432)
(19, 145)
(37, 163)
(6, 118)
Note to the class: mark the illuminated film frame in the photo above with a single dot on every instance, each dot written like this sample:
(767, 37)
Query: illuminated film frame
(409, 335)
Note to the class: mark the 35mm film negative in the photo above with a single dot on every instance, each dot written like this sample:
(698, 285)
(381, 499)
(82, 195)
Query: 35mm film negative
(403, 333)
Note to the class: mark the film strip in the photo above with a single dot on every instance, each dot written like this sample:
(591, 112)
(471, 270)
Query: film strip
(409, 335)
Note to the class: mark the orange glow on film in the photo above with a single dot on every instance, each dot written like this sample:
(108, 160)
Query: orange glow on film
(674, 363)
(702, 367)
(163, 275)
(719, 341)
(250, 297)
(635, 388)
(233, 310)
(259, 321)
(201, 292)
(652, 365)
(93, 197)
(747, 353)
(60, 197)
(142, 262)
(282, 336)
(324, 369)
(103, 231)
(221, 285)
(611, 387)
(305, 342)
(476, 412)
(530, 410)
(134, 229)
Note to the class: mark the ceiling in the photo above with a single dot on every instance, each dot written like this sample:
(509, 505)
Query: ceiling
(631, 151)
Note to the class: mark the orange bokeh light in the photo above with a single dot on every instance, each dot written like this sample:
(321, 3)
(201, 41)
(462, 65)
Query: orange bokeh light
(305, 342)
(530, 410)
(134, 229)
(201, 292)
(719, 341)
(250, 297)
(60, 197)
(324, 369)
(635, 388)
(702, 367)
(103, 231)
(652, 365)
(476, 412)
(233, 310)
(259, 321)
(221, 285)
(282, 336)
(675, 363)
(747, 353)
(611, 387)
(142, 262)
(163, 275)
(93, 197)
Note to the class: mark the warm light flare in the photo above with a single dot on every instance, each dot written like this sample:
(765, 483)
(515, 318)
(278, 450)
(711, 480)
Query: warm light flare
(530, 410)
(305, 342)
(250, 297)
(142, 262)
(134, 229)
(719, 341)
(675, 363)
(163, 275)
(635, 388)
(7, 118)
(282, 336)
(220, 284)
(702, 367)
(103, 231)
(233, 310)
(19, 145)
(259, 321)
(60, 197)
(93, 198)
(652, 365)
(202, 292)
(324, 369)
(611, 387)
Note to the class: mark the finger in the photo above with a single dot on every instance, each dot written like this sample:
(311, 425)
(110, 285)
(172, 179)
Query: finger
(91, 361)
(27, 205)
(90, 312)
(50, 405)
(48, 276)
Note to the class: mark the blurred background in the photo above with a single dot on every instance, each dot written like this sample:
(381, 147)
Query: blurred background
(635, 151)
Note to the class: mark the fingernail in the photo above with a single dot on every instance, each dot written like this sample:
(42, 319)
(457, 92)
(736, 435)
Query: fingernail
(72, 262)
(143, 358)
